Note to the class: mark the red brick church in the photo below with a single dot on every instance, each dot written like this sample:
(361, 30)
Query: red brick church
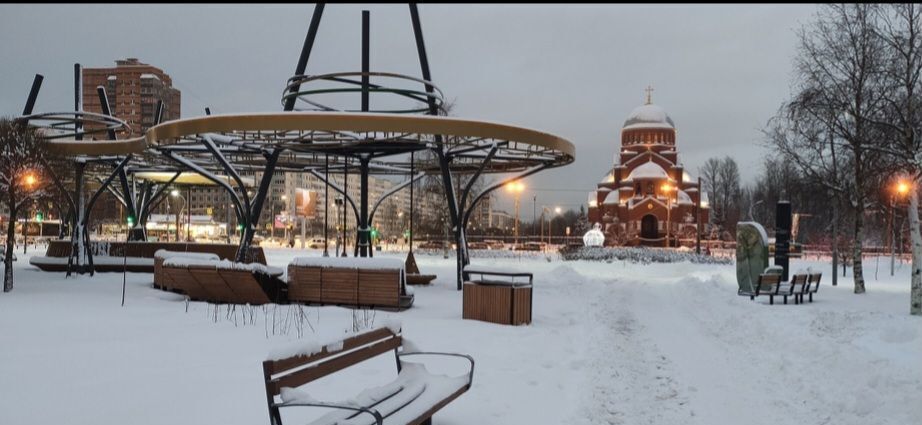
(647, 194)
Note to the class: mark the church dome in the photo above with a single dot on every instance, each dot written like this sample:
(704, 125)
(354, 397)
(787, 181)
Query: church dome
(648, 116)
(649, 170)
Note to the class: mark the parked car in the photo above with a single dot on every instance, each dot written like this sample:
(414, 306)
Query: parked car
(317, 243)
(478, 245)
(495, 244)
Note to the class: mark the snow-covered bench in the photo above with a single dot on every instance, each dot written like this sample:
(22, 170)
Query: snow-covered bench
(502, 296)
(159, 281)
(412, 398)
(373, 282)
(223, 281)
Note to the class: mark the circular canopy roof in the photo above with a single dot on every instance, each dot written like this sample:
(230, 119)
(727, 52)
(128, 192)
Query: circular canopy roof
(648, 116)
(306, 135)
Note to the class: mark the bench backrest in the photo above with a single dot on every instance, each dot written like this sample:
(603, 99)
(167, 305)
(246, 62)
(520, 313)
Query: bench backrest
(814, 281)
(768, 283)
(299, 370)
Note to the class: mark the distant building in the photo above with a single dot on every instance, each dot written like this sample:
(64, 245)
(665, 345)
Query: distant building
(133, 89)
(647, 194)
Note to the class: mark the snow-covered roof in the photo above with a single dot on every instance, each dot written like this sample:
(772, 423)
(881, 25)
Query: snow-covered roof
(613, 197)
(154, 76)
(686, 177)
(649, 170)
(608, 178)
(112, 78)
(648, 116)
(683, 198)
(604, 189)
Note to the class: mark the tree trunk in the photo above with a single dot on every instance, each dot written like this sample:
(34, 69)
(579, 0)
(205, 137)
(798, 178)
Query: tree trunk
(915, 297)
(8, 253)
(857, 269)
(835, 243)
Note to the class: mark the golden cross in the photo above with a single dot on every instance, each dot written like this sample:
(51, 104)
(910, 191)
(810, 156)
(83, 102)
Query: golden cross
(649, 91)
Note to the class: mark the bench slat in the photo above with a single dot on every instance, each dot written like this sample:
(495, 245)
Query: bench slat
(351, 343)
(332, 365)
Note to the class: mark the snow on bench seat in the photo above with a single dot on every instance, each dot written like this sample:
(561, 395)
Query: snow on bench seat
(408, 397)
(349, 263)
(164, 254)
(221, 265)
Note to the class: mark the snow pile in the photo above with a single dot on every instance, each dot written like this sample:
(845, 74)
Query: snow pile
(638, 255)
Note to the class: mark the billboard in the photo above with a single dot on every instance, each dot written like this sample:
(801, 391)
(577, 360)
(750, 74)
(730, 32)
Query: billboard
(305, 203)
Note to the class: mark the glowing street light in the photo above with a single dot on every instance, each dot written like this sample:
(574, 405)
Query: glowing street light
(666, 188)
(30, 180)
(516, 187)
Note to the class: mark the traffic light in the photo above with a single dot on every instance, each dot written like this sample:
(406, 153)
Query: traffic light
(39, 217)
(130, 220)
(374, 233)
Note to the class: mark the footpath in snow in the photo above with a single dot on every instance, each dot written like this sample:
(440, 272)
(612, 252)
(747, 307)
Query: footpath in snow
(610, 343)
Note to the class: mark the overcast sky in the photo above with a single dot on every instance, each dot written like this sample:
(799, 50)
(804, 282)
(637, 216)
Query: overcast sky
(574, 70)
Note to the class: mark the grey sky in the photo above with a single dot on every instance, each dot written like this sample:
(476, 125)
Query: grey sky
(720, 71)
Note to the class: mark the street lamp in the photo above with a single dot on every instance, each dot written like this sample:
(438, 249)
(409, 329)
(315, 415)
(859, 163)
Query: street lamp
(175, 194)
(666, 189)
(516, 187)
(29, 181)
(902, 189)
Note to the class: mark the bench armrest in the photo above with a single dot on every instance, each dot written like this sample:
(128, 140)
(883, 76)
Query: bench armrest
(379, 420)
(470, 375)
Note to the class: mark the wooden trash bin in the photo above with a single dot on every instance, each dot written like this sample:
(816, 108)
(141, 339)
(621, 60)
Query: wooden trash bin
(502, 301)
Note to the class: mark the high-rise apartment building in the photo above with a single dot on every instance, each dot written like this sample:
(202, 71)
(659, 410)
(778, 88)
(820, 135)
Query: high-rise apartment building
(133, 89)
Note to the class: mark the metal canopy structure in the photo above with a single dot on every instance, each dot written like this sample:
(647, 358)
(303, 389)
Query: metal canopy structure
(314, 133)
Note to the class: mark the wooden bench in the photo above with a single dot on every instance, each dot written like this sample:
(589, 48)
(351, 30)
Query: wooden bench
(768, 284)
(813, 285)
(797, 287)
(224, 281)
(162, 254)
(497, 297)
(412, 398)
(369, 282)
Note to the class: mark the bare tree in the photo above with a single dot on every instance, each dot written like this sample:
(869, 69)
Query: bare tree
(22, 150)
(840, 96)
(900, 30)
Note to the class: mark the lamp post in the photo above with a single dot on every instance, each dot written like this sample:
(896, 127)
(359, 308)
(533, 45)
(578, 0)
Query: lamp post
(902, 188)
(516, 187)
(29, 181)
(176, 195)
(666, 189)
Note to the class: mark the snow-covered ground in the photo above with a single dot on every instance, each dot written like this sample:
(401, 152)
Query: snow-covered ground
(610, 343)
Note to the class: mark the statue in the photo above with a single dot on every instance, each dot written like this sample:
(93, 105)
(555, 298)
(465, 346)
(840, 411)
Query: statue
(751, 255)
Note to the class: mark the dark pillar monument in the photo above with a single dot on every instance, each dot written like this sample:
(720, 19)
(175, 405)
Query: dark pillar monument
(783, 236)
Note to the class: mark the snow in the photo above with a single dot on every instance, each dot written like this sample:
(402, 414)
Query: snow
(759, 228)
(164, 254)
(610, 343)
(349, 262)
(185, 261)
(648, 116)
(485, 269)
(613, 197)
(648, 170)
(98, 260)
